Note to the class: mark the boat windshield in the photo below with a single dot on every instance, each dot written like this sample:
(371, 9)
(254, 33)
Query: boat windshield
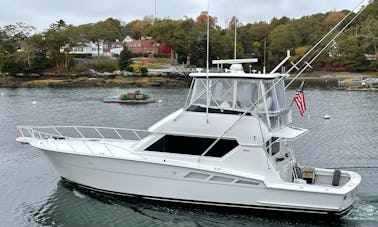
(240, 95)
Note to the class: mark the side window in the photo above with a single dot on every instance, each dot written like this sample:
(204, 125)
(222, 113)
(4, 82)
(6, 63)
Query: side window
(192, 146)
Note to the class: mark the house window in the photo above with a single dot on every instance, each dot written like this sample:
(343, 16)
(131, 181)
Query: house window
(192, 146)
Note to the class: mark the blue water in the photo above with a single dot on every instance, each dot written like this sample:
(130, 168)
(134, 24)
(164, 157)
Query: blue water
(32, 193)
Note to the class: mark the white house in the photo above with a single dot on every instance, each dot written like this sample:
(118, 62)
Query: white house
(90, 48)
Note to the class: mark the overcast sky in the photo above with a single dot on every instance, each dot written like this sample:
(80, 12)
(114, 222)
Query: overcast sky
(42, 13)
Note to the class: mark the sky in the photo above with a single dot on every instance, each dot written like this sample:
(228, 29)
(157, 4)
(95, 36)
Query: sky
(42, 13)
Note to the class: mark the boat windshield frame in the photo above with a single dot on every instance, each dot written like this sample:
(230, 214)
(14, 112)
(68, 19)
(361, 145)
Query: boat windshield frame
(236, 94)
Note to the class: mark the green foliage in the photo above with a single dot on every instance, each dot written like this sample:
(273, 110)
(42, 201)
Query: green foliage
(137, 28)
(130, 68)
(125, 58)
(99, 64)
(106, 64)
(144, 71)
(20, 51)
(82, 67)
(351, 54)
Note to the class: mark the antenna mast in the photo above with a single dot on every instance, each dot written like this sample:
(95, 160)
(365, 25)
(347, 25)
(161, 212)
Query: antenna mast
(207, 61)
(235, 37)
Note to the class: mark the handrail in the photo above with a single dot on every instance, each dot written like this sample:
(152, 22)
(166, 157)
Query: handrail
(95, 132)
(37, 133)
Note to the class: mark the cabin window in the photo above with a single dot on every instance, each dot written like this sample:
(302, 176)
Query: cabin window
(192, 145)
(221, 93)
(226, 94)
(199, 92)
(247, 94)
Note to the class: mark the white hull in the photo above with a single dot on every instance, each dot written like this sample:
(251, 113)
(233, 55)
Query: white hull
(161, 181)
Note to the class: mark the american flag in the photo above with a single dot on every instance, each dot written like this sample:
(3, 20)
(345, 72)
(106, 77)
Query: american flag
(300, 100)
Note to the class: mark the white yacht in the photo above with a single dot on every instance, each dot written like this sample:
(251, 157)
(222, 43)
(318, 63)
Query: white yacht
(229, 146)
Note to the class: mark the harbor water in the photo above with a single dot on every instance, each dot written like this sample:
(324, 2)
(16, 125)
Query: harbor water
(32, 193)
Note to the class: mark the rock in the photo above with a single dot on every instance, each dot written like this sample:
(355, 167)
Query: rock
(127, 74)
(117, 72)
(34, 75)
(48, 74)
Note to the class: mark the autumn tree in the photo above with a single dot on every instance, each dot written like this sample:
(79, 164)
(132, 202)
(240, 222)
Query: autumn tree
(137, 28)
(203, 17)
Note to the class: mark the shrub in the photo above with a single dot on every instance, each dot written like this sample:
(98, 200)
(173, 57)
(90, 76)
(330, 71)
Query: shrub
(81, 67)
(144, 71)
(134, 68)
(125, 59)
(106, 64)
(161, 55)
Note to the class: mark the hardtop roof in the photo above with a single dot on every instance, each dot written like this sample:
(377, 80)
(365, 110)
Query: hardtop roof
(238, 75)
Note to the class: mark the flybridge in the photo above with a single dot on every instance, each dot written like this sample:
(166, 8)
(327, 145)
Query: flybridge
(237, 92)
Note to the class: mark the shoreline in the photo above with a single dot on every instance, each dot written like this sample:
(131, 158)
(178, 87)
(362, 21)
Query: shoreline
(67, 81)
(313, 80)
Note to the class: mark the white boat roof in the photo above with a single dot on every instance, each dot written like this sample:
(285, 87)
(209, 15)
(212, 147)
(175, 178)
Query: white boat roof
(238, 75)
(235, 61)
(290, 132)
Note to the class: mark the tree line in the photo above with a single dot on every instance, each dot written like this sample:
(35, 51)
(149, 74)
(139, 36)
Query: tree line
(23, 50)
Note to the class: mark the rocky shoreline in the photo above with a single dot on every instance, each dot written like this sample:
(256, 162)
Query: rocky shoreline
(93, 79)
(124, 79)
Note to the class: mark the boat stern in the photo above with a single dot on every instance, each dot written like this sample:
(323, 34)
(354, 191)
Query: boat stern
(349, 190)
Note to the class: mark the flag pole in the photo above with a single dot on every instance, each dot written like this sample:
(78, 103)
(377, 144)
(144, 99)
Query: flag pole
(299, 89)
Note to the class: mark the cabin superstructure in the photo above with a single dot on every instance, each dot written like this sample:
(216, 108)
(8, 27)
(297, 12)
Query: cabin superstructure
(236, 92)
(234, 109)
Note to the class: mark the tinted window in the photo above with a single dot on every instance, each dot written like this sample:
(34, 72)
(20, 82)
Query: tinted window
(192, 145)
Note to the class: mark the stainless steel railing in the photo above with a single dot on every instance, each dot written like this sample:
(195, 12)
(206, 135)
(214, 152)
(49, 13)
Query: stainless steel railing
(80, 132)
(89, 136)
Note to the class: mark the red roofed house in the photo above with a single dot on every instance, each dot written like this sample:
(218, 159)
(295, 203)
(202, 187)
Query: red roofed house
(142, 46)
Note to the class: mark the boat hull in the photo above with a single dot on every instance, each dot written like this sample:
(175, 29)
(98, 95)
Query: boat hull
(169, 183)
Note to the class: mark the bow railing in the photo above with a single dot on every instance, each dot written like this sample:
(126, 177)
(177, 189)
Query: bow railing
(78, 132)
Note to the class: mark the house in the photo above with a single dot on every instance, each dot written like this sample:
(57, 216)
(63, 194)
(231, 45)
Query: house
(89, 49)
(142, 46)
(371, 57)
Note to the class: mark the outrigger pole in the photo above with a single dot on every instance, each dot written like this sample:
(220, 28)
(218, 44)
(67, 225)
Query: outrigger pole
(308, 64)
(282, 78)
(207, 61)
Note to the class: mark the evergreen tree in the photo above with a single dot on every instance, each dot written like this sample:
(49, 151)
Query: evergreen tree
(125, 58)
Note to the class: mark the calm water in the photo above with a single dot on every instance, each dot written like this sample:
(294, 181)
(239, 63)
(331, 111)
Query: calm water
(31, 193)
